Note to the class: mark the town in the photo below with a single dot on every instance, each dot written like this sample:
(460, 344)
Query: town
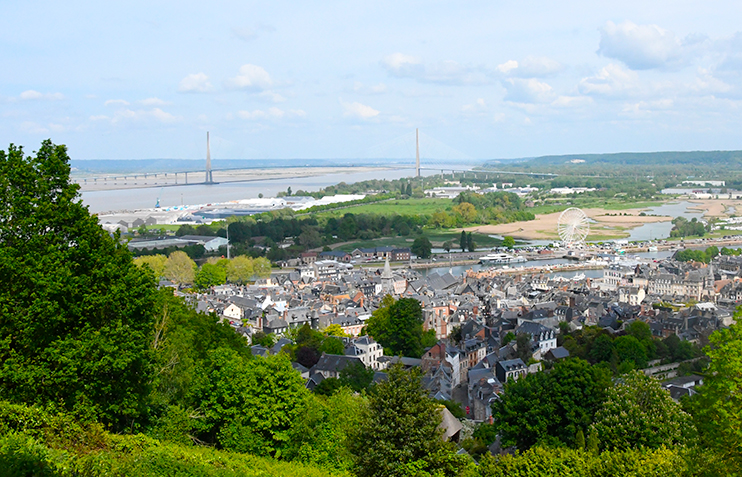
(485, 327)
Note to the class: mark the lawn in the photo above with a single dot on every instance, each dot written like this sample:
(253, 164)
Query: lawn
(389, 207)
(594, 202)
(436, 237)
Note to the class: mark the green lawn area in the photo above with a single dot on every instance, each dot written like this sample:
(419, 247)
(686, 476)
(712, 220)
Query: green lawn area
(436, 237)
(389, 207)
(595, 202)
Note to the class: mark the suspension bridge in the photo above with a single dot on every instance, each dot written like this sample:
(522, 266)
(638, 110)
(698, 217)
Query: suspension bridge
(414, 150)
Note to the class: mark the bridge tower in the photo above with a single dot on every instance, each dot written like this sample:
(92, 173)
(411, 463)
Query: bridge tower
(209, 178)
(417, 151)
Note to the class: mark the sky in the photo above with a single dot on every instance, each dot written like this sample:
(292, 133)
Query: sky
(353, 79)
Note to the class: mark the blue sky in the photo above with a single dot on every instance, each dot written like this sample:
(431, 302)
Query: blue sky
(310, 79)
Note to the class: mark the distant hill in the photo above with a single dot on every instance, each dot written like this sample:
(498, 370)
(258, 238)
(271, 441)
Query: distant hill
(705, 158)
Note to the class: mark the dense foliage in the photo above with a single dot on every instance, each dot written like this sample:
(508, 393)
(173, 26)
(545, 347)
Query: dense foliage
(550, 407)
(683, 227)
(399, 435)
(398, 326)
(690, 255)
(75, 313)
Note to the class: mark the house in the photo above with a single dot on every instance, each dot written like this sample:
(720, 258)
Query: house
(336, 255)
(368, 350)
(330, 365)
(631, 295)
(512, 368)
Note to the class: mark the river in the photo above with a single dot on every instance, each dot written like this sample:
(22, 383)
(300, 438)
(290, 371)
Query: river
(131, 199)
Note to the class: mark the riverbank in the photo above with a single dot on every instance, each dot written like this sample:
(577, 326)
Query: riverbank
(607, 224)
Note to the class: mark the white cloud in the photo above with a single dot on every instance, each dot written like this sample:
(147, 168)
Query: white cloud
(528, 91)
(33, 128)
(648, 108)
(445, 72)
(530, 67)
(572, 101)
(358, 111)
(271, 113)
(507, 67)
(195, 83)
(272, 96)
(140, 115)
(611, 81)
(114, 102)
(250, 78)
(706, 83)
(479, 106)
(152, 102)
(640, 47)
(35, 95)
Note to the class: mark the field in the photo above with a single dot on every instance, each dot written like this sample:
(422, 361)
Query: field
(396, 206)
(437, 238)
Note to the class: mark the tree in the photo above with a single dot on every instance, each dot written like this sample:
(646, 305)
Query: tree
(630, 349)
(717, 408)
(261, 267)
(466, 211)
(310, 237)
(335, 330)
(470, 242)
(180, 269)
(447, 245)
(409, 189)
(76, 314)
(638, 413)
(240, 269)
(357, 376)
(508, 242)
(397, 326)
(462, 241)
(155, 262)
(542, 407)
(422, 247)
(210, 275)
(398, 434)
(252, 405)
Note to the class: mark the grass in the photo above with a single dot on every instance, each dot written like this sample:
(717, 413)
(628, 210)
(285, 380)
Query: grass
(389, 207)
(595, 203)
(436, 237)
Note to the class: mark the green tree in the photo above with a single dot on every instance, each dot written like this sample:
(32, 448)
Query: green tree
(398, 434)
(508, 242)
(408, 191)
(240, 269)
(542, 407)
(210, 275)
(180, 269)
(262, 267)
(321, 436)
(397, 326)
(422, 247)
(462, 241)
(155, 262)
(638, 413)
(447, 245)
(253, 405)
(75, 312)
(470, 242)
(357, 377)
(630, 349)
(717, 408)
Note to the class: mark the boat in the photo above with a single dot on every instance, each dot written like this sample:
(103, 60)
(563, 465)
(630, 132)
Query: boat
(652, 249)
(498, 258)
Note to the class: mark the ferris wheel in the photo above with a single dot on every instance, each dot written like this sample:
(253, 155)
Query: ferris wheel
(573, 226)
